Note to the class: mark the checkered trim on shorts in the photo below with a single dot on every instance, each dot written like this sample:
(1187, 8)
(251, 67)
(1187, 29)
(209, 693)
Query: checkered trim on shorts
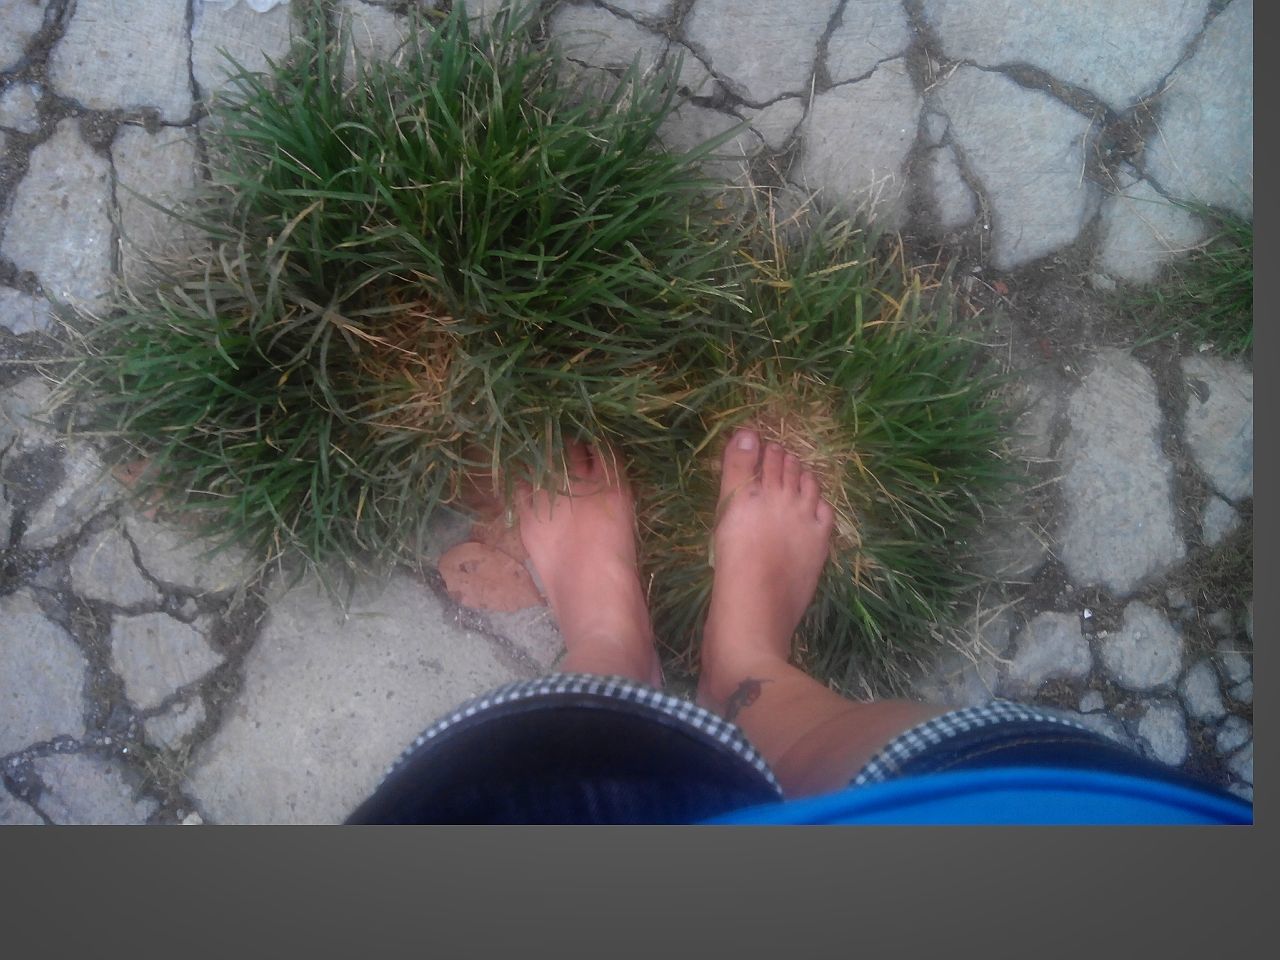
(617, 688)
(908, 745)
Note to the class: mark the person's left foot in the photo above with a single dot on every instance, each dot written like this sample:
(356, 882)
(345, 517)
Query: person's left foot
(583, 546)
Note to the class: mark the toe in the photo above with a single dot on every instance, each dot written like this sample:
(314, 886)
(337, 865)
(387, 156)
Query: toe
(771, 469)
(741, 462)
(809, 490)
(825, 514)
(791, 471)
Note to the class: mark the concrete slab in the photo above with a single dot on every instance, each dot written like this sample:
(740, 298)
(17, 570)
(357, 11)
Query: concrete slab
(329, 702)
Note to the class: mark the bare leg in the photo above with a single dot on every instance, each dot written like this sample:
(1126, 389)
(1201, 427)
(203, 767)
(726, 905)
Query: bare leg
(771, 542)
(583, 547)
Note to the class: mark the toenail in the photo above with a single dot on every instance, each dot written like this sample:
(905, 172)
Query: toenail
(746, 440)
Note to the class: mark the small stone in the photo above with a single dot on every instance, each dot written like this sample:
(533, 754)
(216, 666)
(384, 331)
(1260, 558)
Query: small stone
(126, 56)
(1201, 693)
(1241, 790)
(1235, 664)
(1218, 424)
(1164, 731)
(1027, 150)
(1242, 692)
(1242, 764)
(1176, 598)
(1146, 652)
(171, 728)
(103, 569)
(192, 820)
(953, 200)
(59, 224)
(1101, 282)
(42, 675)
(20, 108)
(1108, 726)
(856, 140)
(1219, 621)
(1050, 647)
(15, 813)
(174, 557)
(870, 32)
(155, 655)
(1218, 520)
(1233, 734)
(776, 124)
(22, 313)
(1120, 524)
(81, 788)
(1091, 702)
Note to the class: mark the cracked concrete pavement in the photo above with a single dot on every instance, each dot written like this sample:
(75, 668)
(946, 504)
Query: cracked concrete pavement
(143, 680)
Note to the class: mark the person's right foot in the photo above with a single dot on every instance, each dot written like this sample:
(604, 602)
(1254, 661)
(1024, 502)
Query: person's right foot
(771, 542)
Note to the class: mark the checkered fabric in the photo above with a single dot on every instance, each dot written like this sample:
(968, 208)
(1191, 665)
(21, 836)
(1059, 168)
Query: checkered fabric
(908, 745)
(618, 688)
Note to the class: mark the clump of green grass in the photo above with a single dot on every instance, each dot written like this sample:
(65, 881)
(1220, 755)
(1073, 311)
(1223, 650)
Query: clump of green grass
(416, 277)
(850, 360)
(420, 281)
(1209, 296)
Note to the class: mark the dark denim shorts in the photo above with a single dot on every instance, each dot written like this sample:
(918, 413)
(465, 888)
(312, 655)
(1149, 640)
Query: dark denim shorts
(576, 748)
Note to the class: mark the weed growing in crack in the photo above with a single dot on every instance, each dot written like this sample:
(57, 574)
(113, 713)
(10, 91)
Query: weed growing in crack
(1209, 296)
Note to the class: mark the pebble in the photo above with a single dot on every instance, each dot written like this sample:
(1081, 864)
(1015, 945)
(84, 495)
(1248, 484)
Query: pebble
(1091, 702)
(1201, 693)
(1233, 734)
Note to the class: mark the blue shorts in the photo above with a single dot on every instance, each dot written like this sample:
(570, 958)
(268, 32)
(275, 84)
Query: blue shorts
(576, 748)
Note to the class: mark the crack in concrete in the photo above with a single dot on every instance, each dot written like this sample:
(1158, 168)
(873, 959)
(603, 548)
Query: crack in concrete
(474, 621)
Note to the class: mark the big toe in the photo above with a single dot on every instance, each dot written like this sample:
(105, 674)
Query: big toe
(741, 462)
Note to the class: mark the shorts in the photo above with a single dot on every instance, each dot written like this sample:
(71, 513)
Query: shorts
(578, 748)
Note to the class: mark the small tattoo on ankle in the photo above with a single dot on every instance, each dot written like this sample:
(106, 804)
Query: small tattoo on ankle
(748, 692)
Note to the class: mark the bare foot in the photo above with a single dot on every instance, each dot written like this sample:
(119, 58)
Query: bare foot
(583, 547)
(771, 542)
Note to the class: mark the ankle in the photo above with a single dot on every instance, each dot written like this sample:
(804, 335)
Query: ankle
(724, 671)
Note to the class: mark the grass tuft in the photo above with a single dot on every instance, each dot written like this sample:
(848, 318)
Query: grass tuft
(851, 361)
(417, 275)
(1209, 296)
(419, 280)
